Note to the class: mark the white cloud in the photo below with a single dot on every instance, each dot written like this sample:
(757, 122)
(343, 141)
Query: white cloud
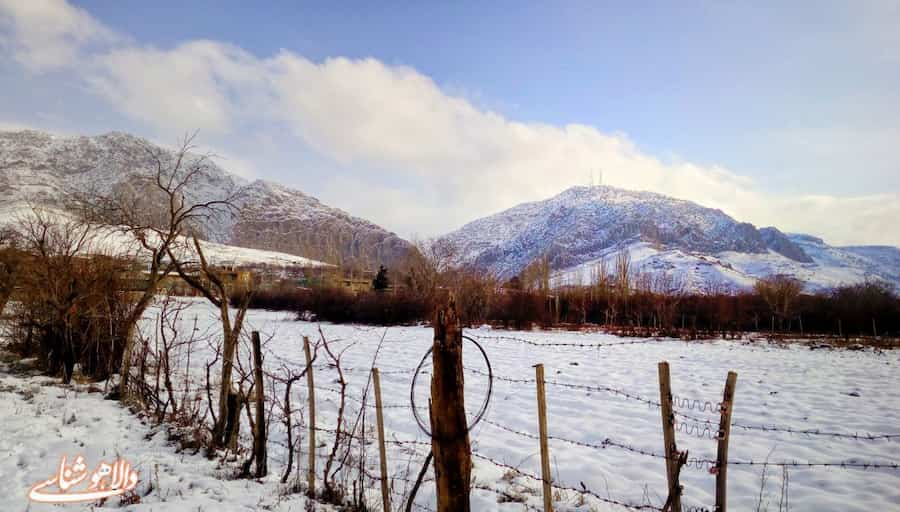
(197, 85)
(434, 159)
(48, 34)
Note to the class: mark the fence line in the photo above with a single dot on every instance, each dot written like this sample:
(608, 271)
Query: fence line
(693, 462)
(679, 402)
(702, 428)
(565, 343)
(638, 398)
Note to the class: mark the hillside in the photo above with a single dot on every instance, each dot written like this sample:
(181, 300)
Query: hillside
(702, 248)
(41, 168)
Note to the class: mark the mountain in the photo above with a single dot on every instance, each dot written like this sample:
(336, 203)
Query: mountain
(702, 248)
(38, 167)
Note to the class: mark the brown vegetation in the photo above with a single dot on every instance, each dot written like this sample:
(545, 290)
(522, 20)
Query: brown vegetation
(70, 307)
(617, 298)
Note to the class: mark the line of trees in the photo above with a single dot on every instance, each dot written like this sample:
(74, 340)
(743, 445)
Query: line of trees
(616, 295)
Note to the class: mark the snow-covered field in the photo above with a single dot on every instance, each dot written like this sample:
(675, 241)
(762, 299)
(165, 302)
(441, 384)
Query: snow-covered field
(795, 387)
(41, 421)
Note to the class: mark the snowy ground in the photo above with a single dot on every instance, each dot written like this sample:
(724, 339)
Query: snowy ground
(42, 421)
(795, 387)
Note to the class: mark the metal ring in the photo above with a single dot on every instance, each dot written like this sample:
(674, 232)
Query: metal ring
(484, 405)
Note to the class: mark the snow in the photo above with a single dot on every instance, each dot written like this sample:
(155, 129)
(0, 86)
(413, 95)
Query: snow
(703, 248)
(835, 391)
(112, 241)
(40, 168)
(735, 271)
(830, 390)
(43, 420)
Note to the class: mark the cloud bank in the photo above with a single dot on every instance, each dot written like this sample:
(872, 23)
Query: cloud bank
(416, 158)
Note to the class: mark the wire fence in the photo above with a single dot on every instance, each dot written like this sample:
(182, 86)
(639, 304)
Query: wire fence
(687, 421)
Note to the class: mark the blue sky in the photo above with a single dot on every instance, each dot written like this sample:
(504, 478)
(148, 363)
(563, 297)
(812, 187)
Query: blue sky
(423, 116)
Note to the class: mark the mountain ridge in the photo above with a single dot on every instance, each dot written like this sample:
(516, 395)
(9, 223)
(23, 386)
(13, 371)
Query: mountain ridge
(41, 167)
(581, 226)
(576, 229)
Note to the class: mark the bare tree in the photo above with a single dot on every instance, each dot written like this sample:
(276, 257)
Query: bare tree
(157, 208)
(208, 281)
(536, 275)
(622, 269)
(779, 292)
(426, 266)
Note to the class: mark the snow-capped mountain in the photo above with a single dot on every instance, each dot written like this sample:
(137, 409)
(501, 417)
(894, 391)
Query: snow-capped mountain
(700, 248)
(38, 167)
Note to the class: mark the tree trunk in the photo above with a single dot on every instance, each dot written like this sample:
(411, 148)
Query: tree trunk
(229, 349)
(450, 435)
(259, 437)
(130, 330)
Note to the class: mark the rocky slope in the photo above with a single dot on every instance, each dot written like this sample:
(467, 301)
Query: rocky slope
(700, 247)
(41, 168)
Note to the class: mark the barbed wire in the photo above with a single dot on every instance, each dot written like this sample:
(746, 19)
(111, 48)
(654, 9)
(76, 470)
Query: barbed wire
(364, 369)
(816, 432)
(692, 462)
(654, 403)
(850, 464)
(678, 402)
(359, 400)
(566, 344)
(583, 490)
(696, 462)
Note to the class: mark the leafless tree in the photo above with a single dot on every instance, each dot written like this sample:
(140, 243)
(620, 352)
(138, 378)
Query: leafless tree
(157, 206)
(209, 282)
(779, 292)
(536, 275)
(426, 266)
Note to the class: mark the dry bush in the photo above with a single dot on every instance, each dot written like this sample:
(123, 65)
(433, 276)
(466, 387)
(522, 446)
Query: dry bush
(71, 306)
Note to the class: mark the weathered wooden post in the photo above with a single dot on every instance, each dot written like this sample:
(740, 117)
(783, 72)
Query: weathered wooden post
(449, 426)
(668, 425)
(311, 478)
(259, 437)
(382, 452)
(723, 436)
(542, 428)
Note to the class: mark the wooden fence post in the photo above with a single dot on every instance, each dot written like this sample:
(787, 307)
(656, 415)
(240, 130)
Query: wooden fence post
(542, 428)
(668, 425)
(259, 437)
(723, 436)
(311, 478)
(382, 452)
(449, 425)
